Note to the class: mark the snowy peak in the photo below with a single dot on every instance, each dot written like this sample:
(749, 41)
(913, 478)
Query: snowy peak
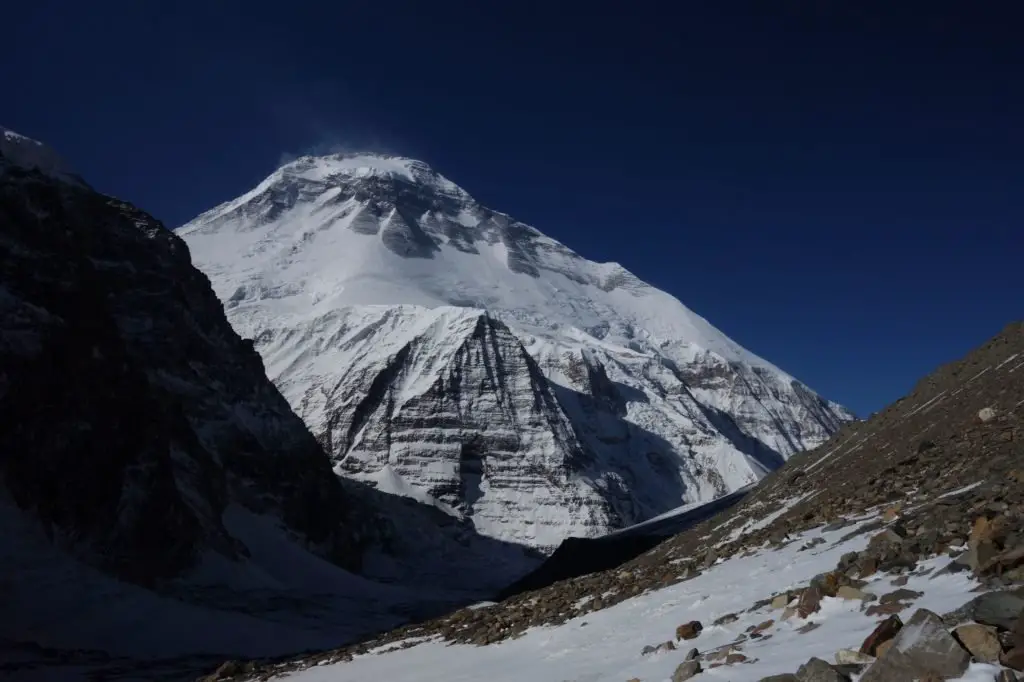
(28, 154)
(584, 399)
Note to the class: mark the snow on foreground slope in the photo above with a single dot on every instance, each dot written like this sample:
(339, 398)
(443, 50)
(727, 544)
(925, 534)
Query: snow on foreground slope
(451, 349)
(606, 646)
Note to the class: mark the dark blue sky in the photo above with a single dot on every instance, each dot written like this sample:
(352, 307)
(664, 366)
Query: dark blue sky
(837, 185)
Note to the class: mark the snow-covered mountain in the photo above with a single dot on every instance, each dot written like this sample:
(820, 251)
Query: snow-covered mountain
(444, 349)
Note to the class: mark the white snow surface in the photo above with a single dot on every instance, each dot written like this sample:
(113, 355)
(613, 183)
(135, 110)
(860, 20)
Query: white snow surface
(334, 265)
(605, 645)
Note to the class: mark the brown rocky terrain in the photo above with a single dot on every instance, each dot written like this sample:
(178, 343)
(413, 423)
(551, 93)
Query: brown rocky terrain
(942, 468)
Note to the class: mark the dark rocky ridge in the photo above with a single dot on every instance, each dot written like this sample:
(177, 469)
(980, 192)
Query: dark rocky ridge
(134, 414)
(949, 453)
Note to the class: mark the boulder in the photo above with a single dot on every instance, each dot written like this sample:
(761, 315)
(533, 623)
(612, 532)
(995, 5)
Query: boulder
(689, 630)
(884, 632)
(817, 670)
(1014, 658)
(981, 640)
(686, 670)
(998, 609)
(810, 601)
(921, 647)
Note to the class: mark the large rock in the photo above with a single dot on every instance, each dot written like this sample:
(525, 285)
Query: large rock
(922, 647)
(883, 632)
(998, 609)
(689, 630)
(686, 670)
(981, 640)
(817, 670)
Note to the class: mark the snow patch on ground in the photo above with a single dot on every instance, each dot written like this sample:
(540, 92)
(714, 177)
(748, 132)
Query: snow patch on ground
(605, 645)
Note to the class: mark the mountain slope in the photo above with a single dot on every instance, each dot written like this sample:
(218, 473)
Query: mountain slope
(903, 528)
(359, 278)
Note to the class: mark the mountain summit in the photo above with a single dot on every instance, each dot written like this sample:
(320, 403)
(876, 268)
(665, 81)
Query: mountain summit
(446, 351)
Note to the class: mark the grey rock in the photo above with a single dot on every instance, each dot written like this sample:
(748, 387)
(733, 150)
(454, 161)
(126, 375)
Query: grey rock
(817, 670)
(692, 655)
(686, 670)
(998, 609)
(922, 646)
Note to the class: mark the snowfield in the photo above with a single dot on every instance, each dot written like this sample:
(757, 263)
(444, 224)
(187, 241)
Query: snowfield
(606, 645)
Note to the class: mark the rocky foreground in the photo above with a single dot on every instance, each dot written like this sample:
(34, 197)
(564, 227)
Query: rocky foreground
(932, 486)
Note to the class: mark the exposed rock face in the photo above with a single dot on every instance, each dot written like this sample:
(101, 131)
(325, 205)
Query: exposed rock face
(134, 415)
(446, 351)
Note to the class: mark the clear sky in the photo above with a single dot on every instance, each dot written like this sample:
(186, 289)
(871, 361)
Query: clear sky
(837, 185)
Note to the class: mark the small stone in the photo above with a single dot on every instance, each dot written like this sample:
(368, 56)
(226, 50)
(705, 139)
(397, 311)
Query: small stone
(810, 601)
(227, 670)
(689, 630)
(692, 655)
(899, 595)
(851, 657)
(981, 640)
(850, 593)
(781, 601)
(817, 670)
(732, 659)
(804, 629)
(686, 670)
(901, 581)
(868, 566)
(1014, 658)
(884, 632)
(889, 609)
(979, 557)
(986, 414)
(726, 619)
(760, 627)
(828, 583)
(891, 514)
